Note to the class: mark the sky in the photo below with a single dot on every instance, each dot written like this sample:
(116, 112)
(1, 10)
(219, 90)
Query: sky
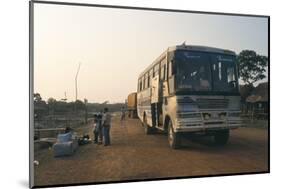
(114, 46)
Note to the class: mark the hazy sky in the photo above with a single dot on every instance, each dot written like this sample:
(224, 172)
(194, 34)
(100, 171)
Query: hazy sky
(115, 45)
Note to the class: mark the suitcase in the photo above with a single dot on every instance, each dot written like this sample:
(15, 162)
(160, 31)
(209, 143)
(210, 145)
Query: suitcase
(64, 148)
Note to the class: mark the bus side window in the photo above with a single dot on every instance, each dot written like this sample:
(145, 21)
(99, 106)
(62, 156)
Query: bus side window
(147, 78)
(140, 87)
(170, 73)
(145, 82)
(156, 70)
(165, 72)
(162, 75)
(150, 76)
(163, 69)
(142, 81)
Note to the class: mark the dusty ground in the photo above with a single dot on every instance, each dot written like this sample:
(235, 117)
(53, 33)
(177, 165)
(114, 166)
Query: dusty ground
(134, 155)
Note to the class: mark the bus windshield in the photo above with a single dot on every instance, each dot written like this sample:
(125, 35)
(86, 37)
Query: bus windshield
(193, 71)
(224, 73)
(201, 71)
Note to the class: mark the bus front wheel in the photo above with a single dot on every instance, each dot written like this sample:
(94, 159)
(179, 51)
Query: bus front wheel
(173, 138)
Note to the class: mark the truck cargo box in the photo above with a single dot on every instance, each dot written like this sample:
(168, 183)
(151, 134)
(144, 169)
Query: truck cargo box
(132, 101)
(132, 105)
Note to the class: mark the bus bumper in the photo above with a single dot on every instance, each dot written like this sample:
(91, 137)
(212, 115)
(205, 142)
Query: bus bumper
(201, 127)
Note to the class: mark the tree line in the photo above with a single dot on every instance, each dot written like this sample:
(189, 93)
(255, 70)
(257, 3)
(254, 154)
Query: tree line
(60, 107)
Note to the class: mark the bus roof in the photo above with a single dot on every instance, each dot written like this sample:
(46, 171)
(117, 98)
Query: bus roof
(191, 48)
(201, 48)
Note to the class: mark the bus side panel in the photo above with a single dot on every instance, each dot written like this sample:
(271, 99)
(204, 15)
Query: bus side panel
(144, 105)
(170, 109)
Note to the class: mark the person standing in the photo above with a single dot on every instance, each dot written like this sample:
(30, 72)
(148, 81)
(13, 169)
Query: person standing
(122, 113)
(99, 118)
(106, 126)
(96, 129)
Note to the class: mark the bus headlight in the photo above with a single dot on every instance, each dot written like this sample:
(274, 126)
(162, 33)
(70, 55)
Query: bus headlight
(222, 115)
(206, 116)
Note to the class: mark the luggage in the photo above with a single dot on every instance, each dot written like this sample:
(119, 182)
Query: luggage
(63, 149)
(66, 137)
(66, 145)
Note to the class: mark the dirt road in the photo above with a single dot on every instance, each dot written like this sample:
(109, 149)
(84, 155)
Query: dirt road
(134, 155)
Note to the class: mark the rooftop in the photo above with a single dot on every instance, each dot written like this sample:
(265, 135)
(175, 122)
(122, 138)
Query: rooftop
(259, 94)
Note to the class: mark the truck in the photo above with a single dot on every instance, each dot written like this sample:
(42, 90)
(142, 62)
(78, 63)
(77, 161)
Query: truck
(132, 105)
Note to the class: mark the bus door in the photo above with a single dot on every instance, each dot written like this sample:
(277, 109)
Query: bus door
(163, 88)
(155, 100)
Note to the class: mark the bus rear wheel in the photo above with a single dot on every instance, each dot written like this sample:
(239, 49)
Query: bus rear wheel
(221, 137)
(173, 138)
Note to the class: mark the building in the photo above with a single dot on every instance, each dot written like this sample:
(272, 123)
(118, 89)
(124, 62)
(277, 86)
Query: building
(257, 101)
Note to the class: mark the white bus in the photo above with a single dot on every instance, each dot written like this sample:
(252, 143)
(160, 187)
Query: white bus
(190, 90)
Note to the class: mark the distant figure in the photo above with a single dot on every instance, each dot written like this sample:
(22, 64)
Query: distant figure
(97, 130)
(122, 113)
(67, 130)
(106, 124)
(100, 128)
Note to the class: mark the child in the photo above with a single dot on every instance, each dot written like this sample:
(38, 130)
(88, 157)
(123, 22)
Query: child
(99, 128)
(122, 114)
(95, 129)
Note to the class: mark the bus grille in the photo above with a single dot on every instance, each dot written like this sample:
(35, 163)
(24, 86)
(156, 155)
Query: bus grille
(212, 103)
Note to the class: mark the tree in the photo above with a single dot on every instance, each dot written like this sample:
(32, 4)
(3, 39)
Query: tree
(51, 101)
(245, 91)
(37, 97)
(251, 66)
(40, 106)
(79, 105)
(52, 105)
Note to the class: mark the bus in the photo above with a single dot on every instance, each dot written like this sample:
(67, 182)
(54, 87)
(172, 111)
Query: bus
(190, 90)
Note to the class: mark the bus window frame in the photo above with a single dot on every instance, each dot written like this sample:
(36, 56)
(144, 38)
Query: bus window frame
(146, 80)
(150, 73)
(163, 69)
(142, 81)
(156, 71)
(138, 85)
(170, 69)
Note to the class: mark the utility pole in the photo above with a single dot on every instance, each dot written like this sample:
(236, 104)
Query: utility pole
(76, 90)
(64, 99)
(86, 110)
